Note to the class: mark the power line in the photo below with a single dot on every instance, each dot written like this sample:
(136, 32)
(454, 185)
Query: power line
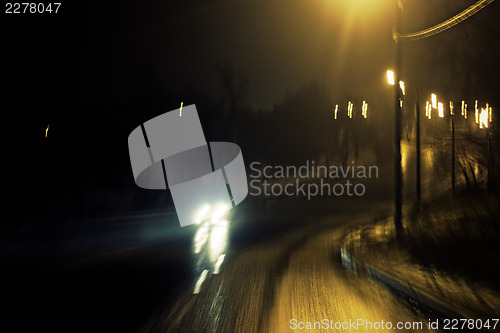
(446, 24)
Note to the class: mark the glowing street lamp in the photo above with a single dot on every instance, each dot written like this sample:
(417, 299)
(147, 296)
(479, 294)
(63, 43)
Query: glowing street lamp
(349, 109)
(390, 77)
(483, 118)
(440, 110)
(364, 109)
(434, 101)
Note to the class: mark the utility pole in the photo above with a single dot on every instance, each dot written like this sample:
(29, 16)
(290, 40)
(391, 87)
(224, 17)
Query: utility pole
(452, 152)
(417, 116)
(398, 179)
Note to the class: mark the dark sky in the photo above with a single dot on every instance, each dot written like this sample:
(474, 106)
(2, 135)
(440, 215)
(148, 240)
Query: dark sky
(280, 45)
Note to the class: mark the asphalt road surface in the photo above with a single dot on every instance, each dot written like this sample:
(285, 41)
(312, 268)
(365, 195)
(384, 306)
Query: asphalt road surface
(285, 284)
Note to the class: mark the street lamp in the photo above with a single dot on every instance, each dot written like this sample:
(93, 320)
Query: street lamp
(398, 176)
(390, 77)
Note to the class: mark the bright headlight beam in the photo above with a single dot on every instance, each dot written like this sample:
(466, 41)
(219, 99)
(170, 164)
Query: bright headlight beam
(220, 211)
(201, 214)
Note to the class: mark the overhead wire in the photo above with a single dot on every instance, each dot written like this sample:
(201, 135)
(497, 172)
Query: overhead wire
(444, 25)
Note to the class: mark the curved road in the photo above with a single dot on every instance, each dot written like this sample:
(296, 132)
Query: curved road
(282, 285)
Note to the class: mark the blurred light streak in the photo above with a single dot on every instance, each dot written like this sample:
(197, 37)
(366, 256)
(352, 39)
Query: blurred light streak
(441, 110)
(476, 112)
(428, 109)
(221, 210)
(364, 109)
(434, 101)
(336, 110)
(451, 109)
(490, 112)
(202, 213)
(202, 278)
(446, 24)
(402, 86)
(219, 262)
(404, 157)
(47, 130)
(390, 77)
(201, 237)
(483, 118)
(218, 239)
(349, 109)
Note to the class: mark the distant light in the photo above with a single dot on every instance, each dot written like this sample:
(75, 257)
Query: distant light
(428, 109)
(483, 118)
(47, 130)
(476, 112)
(451, 108)
(434, 101)
(364, 109)
(400, 103)
(390, 77)
(402, 86)
(336, 110)
(490, 112)
(440, 110)
(349, 109)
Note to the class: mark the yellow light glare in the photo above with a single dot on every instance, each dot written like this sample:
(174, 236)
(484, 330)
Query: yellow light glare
(402, 86)
(451, 108)
(476, 112)
(364, 109)
(483, 118)
(390, 77)
(336, 110)
(434, 101)
(441, 110)
(490, 111)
